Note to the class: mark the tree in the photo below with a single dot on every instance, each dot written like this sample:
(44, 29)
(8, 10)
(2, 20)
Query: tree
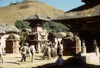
(21, 24)
(23, 36)
(47, 26)
(55, 27)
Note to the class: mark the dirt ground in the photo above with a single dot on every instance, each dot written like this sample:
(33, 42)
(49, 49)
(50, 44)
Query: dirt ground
(13, 61)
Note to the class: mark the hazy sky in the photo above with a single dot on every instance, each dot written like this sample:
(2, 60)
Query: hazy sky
(60, 4)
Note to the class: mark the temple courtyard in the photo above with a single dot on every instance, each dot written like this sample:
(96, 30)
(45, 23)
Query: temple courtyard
(13, 61)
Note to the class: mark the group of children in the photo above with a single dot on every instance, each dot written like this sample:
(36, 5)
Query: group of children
(49, 52)
(26, 49)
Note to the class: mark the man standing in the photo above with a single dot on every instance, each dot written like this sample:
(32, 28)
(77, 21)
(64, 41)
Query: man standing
(60, 49)
(23, 52)
(1, 52)
(47, 52)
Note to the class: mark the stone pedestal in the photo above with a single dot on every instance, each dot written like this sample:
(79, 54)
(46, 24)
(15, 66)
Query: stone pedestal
(91, 58)
(83, 49)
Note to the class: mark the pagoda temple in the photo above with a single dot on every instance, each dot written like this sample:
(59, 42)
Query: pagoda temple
(38, 35)
(85, 21)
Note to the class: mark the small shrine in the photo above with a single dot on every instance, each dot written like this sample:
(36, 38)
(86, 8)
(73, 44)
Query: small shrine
(38, 35)
(12, 44)
(9, 38)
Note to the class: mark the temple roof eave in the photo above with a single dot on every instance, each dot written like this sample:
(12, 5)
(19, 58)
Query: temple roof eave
(8, 29)
(31, 20)
(73, 18)
(36, 18)
(90, 10)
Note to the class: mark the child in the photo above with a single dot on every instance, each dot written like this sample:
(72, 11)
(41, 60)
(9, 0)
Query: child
(60, 61)
(23, 52)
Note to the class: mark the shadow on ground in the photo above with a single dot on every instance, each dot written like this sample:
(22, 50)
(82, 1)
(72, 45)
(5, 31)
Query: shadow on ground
(77, 61)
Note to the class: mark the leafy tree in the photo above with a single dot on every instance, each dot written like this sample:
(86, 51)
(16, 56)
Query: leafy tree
(55, 26)
(21, 24)
(23, 36)
(47, 26)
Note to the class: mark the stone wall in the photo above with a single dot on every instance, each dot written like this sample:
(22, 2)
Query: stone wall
(92, 58)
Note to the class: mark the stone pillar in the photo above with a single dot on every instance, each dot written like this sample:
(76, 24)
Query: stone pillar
(17, 43)
(83, 47)
(78, 44)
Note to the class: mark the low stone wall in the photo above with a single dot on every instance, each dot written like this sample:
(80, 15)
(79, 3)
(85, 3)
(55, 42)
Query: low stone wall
(92, 58)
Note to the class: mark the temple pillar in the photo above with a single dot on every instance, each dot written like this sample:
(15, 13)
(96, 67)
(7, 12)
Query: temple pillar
(78, 44)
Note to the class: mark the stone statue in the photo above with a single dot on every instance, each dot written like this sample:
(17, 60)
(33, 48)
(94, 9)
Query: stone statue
(83, 47)
(96, 47)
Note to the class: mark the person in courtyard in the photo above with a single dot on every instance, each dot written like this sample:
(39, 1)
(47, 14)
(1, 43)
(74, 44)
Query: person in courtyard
(60, 61)
(23, 52)
(60, 49)
(32, 51)
(28, 54)
(1, 53)
(47, 52)
(53, 51)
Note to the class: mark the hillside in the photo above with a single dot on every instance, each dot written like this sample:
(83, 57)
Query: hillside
(9, 14)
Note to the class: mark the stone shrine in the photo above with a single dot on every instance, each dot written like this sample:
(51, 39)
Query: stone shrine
(38, 36)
